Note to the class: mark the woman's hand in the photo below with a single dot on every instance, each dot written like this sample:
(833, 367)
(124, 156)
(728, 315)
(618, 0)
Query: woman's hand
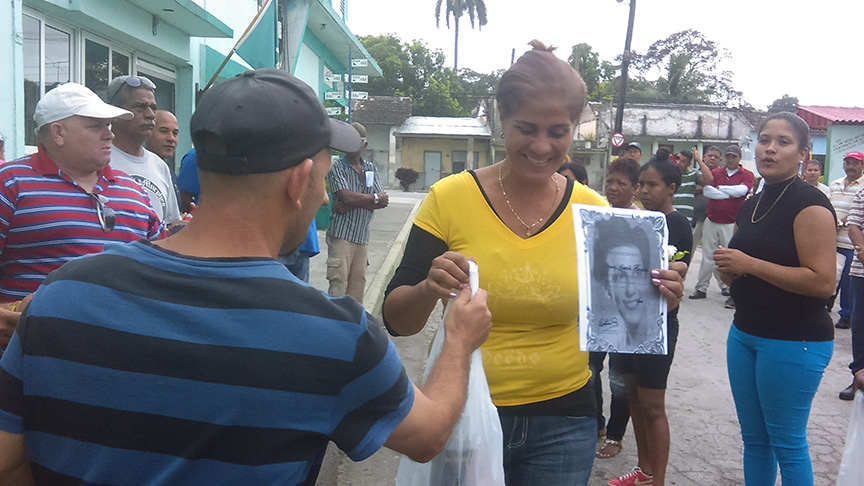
(670, 283)
(447, 275)
(733, 263)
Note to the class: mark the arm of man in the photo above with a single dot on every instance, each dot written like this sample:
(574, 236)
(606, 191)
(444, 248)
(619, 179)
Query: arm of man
(361, 200)
(736, 191)
(14, 465)
(712, 192)
(814, 239)
(707, 176)
(438, 406)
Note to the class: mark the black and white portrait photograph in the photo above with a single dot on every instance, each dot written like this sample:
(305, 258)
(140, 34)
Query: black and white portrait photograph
(620, 310)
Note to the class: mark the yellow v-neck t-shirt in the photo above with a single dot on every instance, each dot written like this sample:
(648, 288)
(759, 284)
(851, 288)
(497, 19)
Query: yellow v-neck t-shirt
(532, 353)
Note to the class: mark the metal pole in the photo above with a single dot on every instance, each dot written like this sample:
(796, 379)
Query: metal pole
(350, 83)
(625, 62)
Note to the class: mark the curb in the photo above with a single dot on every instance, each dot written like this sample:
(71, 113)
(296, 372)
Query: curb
(374, 294)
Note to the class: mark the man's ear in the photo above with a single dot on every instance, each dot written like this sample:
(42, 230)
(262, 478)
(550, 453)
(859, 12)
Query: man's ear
(298, 183)
(58, 133)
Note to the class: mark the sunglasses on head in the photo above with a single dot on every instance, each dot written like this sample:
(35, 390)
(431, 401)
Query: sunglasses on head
(132, 82)
(105, 213)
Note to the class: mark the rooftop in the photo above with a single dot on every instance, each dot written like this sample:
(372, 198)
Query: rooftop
(822, 116)
(445, 127)
(382, 110)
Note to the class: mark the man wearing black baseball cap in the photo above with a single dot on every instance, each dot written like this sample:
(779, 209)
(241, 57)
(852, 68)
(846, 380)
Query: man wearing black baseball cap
(223, 368)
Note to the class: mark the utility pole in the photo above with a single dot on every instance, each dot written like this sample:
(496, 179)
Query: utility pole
(625, 62)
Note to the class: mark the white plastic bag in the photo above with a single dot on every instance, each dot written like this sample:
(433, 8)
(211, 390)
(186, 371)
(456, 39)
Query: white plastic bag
(852, 466)
(474, 455)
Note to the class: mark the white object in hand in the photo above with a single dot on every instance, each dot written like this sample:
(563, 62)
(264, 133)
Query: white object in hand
(473, 277)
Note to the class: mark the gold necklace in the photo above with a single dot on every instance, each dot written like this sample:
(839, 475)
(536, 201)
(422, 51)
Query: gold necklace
(753, 216)
(528, 227)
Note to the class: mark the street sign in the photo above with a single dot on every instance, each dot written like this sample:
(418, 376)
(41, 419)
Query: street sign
(358, 78)
(334, 111)
(359, 95)
(617, 139)
(332, 78)
(333, 95)
(359, 62)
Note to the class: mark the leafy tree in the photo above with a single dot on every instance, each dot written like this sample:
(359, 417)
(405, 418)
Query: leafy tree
(786, 103)
(412, 69)
(457, 8)
(587, 63)
(688, 64)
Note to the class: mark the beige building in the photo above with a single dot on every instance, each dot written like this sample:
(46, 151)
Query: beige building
(439, 146)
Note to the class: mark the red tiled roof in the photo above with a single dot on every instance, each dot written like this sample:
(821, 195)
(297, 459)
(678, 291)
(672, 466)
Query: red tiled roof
(822, 116)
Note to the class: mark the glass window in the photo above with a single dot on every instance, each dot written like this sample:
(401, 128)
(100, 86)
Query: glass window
(96, 58)
(47, 63)
(459, 158)
(119, 64)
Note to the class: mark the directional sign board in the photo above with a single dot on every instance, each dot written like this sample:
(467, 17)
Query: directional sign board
(359, 95)
(332, 78)
(334, 111)
(333, 95)
(359, 62)
(617, 139)
(358, 78)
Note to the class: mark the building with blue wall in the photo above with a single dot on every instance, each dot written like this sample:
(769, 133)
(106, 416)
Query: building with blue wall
(179, 44)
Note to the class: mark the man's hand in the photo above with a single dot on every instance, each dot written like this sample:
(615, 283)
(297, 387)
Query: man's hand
(340, 207)
(468, 320)
(383, 200)
(449, 271)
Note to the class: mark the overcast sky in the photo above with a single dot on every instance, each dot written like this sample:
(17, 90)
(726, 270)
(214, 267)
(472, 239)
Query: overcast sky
(811, 50)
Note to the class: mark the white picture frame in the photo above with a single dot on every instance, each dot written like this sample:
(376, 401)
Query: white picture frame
(620, 310)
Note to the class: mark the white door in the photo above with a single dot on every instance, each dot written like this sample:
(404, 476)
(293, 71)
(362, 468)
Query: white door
(431, 168)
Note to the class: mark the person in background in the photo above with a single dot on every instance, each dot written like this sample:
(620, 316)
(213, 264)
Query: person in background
(843, 190)
(199, 359)
(812, 173)
(65, 200)
(855, 223)
(575, 172)
(2, 147)
(188, 183)
(357, 192)
(712, 157)
(645, 375)
(622, 179)
(781, 267)
(163, 139)
(691, 176)
(725, 194)
(633, 150)
(514, 218)
(137, 94)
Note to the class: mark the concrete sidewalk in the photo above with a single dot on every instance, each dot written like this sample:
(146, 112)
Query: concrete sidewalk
(706, 446)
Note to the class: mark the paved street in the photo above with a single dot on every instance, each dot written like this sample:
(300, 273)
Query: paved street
(706, 445)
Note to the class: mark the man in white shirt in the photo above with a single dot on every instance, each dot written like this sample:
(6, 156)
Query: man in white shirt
(136, 94)
(843, 191)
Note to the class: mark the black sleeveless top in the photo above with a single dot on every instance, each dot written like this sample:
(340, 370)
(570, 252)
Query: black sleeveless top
(762, 309)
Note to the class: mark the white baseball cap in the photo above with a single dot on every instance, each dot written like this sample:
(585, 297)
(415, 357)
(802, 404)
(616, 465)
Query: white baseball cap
(73, 99)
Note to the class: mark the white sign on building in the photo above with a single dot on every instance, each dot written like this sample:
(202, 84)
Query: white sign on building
(333, 95)
(359, 95)
(334, 110)
(359, 62)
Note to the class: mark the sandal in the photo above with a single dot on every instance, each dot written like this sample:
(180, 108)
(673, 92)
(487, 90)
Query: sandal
(610, 449)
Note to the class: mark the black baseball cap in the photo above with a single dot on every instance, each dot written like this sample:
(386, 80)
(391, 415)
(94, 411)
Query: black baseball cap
(634, 145)
(262, 121)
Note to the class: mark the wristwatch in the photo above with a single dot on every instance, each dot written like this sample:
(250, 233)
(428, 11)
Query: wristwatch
(375, 198)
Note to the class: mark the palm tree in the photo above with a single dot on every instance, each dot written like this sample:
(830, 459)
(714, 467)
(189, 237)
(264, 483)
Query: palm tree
(456, 8)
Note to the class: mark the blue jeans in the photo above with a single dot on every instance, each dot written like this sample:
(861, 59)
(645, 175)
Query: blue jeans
(547, 451)
(856, 289)
(773, 384)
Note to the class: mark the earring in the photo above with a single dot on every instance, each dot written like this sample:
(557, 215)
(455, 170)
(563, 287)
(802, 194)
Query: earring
(502, 134)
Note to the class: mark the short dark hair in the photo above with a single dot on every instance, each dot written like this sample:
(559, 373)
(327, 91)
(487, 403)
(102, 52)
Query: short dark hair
(815, 162)
(669, 172)
(616, 232)
(627, 167)
(577, 169)
(712, 148)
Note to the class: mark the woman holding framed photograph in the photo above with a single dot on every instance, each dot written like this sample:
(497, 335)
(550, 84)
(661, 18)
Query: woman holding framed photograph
(515, 219)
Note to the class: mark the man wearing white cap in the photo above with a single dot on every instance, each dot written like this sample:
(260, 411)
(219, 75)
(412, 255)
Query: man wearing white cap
(64, 200)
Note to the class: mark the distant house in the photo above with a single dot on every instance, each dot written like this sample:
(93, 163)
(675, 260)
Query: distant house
(439, 146)
(844, 131)
(382, 116)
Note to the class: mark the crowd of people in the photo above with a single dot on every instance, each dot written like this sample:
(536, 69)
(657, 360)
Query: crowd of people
(130, 296)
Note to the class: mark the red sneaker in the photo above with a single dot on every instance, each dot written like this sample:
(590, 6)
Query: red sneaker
(633, 478)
